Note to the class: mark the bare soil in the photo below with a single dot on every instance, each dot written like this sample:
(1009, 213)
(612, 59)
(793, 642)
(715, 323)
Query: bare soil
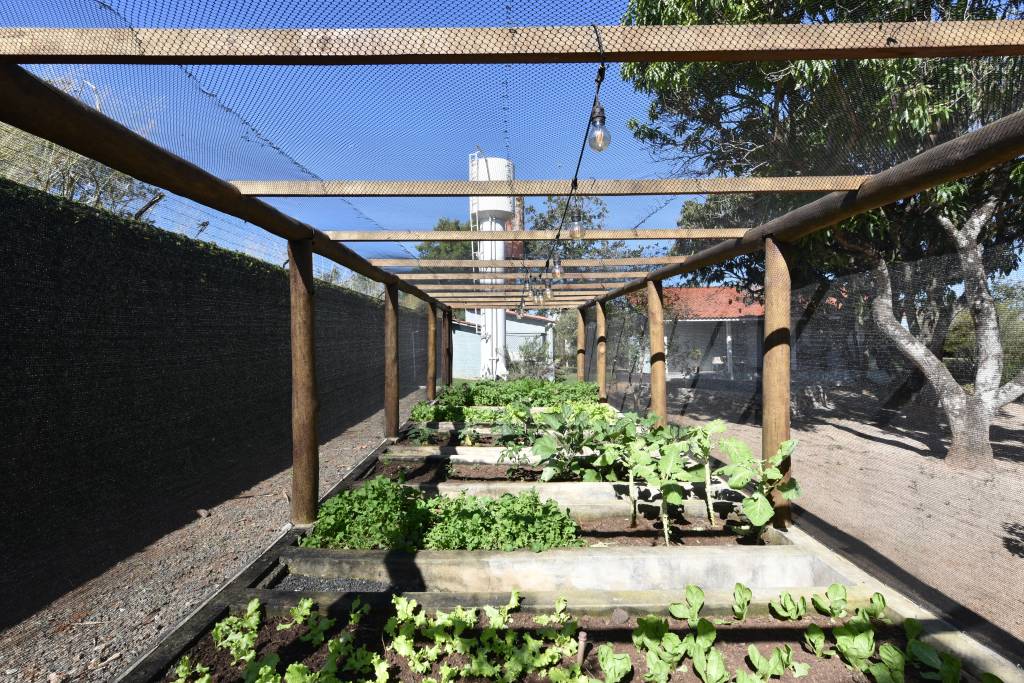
(732, 640)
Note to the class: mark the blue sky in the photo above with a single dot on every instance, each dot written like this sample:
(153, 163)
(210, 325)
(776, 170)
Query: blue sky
(388, 122)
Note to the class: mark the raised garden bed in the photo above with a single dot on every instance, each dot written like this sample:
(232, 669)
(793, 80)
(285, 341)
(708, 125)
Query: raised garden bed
(611, 575)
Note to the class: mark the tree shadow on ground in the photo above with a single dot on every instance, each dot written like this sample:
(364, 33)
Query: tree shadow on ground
(880, 566)
(1014, 539)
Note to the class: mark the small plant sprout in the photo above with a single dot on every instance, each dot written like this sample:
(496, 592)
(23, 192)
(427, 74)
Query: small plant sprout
(816, 642)
(787, 608)
(833, 604)
(615, 667)
(766, 667)
(891, 668)
(186, 670)
(855, 642)
(237, 635)
(690, 608)
(299, 614)
(710, 666)
(741, 596)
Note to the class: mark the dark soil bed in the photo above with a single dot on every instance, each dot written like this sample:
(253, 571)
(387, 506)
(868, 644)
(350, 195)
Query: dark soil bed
(732, 640)
(437, 470)
(615, 531)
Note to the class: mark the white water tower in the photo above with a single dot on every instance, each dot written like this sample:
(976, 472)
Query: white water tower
(489, 214)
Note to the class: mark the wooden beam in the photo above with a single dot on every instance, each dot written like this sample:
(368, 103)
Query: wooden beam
(40, 109)
(529, 235)
(500, 44)
(775, 373)
(590, 287)
(463, 305)
(544, 188)
(431, 352)
(305, 444)
(449, 352)
(390, 361)
(656, 334)
(526, 263)
(969, 154)
(581, 346)
(602, 355)
(476, 277)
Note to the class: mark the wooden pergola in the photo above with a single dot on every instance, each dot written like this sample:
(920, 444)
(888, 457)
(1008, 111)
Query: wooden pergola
(32, 105)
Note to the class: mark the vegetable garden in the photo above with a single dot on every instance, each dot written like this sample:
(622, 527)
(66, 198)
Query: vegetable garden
(857, 191)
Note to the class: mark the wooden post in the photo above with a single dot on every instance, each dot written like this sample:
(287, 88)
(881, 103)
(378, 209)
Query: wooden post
(390, 361)
(602, 358)
(581, 346)
(305, 453)
(656, 332)
(431, 352)
(446, 344)
(775, 373)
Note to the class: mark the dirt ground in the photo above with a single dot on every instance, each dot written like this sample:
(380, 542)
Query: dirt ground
(875, 487)
(97, 630)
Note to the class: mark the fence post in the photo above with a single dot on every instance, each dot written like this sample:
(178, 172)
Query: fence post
(305, 453)
(431, 352)
(775, 372)
(390, 360)
(450, 351)
(581, 346)
(656, 333)
(602, 354)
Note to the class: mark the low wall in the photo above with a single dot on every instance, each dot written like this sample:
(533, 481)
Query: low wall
(147, 375)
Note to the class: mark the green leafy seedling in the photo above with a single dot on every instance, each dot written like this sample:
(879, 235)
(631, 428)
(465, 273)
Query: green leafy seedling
(816, 642)
(743, 676)
(798, 669)
(786, 607)
(833, 604)
(186, 670)
(766, 667)
(891, 668)
(614, 666)
(299, 614)
(690, 608)
(855, 642)
(237, 635)
(741, 596)
(710, 666)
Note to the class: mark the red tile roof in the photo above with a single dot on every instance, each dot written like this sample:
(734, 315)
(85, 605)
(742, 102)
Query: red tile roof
(709, 303)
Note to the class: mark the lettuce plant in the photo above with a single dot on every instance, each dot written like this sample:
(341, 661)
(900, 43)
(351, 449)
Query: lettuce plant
(741, 596)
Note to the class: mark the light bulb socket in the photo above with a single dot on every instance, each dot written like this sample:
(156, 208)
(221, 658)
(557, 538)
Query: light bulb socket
(597, 114)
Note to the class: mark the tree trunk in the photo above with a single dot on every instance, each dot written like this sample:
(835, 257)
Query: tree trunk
(970, 426)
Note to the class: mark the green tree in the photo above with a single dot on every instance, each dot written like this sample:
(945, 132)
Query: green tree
(446, 250)
(858, 116)
(51, 168)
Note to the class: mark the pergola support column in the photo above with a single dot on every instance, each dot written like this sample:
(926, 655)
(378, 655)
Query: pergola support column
(446, 348)
(775, 427)
(581, 346)
(305, 453)
(390, 361)
(656, 333)
(431, 352)
(602, 354)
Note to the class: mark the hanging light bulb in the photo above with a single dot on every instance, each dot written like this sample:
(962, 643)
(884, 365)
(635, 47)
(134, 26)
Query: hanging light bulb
(556, 267)
(576, 225)
(538, 297)
(598, 138)
(547, 291)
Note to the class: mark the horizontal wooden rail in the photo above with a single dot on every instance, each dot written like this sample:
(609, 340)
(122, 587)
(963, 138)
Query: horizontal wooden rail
(968, 154)
(37, 108)
(512, 305)
(526, 263)
(528, 235)
(499, 45)
(476, 277)
(542, 188)
(592, 287)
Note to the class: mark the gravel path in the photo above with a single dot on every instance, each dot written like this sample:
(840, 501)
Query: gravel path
(96, 631)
